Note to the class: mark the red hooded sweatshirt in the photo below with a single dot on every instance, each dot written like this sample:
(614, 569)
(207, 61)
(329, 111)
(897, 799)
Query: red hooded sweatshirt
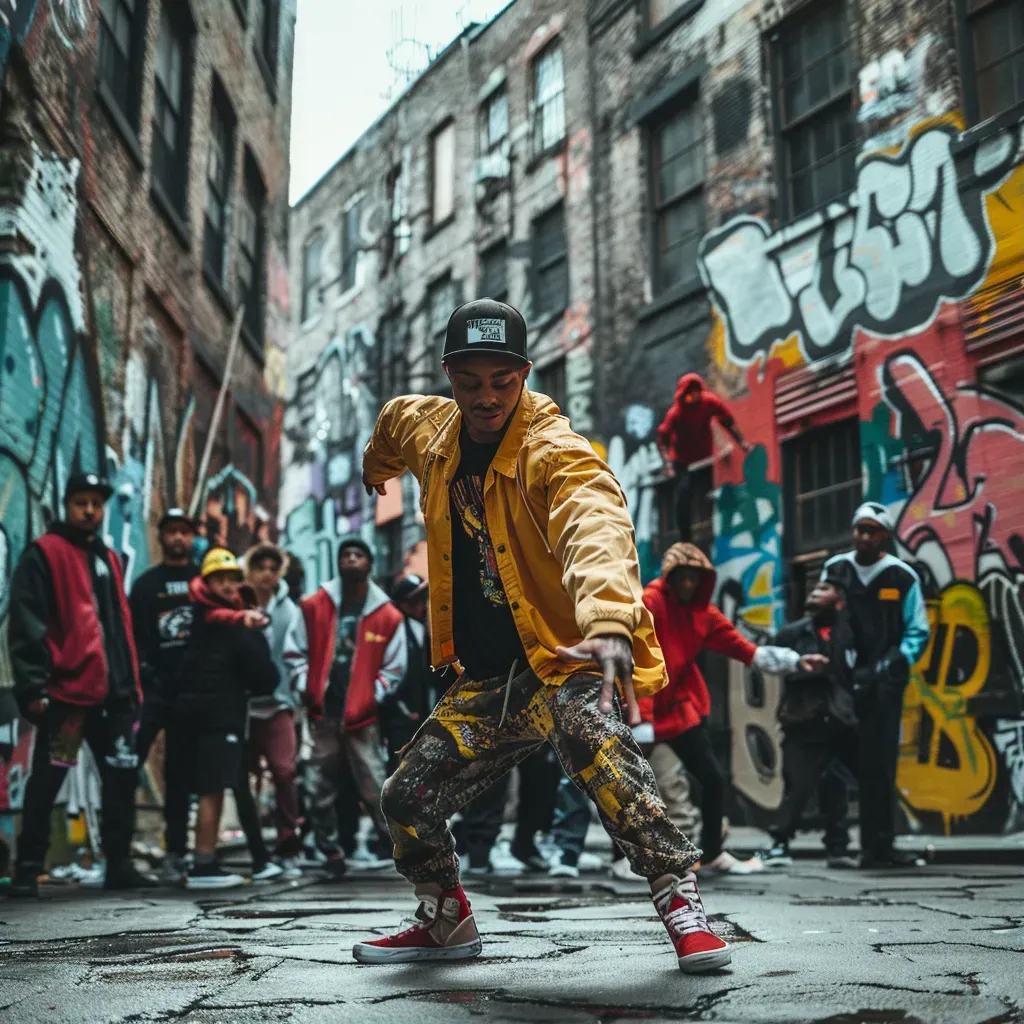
(684, 630)
(685, 432)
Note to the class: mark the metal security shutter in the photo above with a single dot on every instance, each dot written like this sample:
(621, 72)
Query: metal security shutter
(800, 394)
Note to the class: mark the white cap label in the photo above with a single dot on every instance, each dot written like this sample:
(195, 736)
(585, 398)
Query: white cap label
(485, 329)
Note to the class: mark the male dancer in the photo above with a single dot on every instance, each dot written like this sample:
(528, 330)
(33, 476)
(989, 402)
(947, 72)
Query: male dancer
(534, 581)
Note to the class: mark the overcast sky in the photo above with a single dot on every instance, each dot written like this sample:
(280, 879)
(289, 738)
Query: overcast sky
(343, 77)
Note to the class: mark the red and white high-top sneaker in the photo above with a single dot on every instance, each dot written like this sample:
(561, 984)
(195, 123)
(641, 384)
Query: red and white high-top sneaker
(448, 933)
(679, 904)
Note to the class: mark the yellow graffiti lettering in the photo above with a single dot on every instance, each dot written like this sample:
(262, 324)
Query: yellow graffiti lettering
(947, 764)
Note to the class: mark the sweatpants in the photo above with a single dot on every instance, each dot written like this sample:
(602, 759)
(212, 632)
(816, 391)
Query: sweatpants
(464, 747)
(108, 731)
(334, 749)
(274, 739)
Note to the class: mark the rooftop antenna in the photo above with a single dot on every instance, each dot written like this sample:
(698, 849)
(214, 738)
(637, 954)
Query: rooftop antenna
(408, 56)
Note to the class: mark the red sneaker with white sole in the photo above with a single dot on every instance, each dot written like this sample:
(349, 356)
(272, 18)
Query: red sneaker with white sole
(448, 933)
(679, 904)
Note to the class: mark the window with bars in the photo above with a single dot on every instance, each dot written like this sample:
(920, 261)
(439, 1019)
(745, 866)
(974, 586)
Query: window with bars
(813, 79)
(265, 35)
(551, 382)
(391, 364)
(494, 122)
(219, 164)
(121, 24)
(312, 258)
(493, 280)
(251, 228)
(548, 100)
(440, 303)
(170, 105)
(550, 265)
(677, 180)
(825, 472)
(442, 173)
(351, 220)
(993, 71)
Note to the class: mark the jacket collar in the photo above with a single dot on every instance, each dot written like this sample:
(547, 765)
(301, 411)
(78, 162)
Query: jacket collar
(375, 597)
(446, 442)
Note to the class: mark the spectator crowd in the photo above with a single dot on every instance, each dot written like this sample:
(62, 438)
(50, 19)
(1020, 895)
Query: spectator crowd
(255, 686)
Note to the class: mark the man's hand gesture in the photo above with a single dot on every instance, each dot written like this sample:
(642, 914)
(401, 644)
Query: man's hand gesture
(813, 662)
(381, 489)
(614, 656)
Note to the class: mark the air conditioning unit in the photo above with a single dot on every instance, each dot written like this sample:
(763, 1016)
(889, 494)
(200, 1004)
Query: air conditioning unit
(491, 168)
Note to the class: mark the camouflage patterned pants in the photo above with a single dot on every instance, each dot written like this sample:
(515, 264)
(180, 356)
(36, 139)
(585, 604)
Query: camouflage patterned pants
(461, 750)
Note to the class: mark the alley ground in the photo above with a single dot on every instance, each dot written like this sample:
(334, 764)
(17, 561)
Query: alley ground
(940, 945)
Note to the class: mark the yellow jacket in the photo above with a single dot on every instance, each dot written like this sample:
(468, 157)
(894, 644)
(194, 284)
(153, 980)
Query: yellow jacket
(557, 518)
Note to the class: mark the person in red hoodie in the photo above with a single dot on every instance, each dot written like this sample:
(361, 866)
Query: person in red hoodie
(686, 622)
(684, 437)
(76, 678)
(356, 655)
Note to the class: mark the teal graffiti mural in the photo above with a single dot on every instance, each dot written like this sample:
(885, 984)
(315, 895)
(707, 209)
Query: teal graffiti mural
(748, 542)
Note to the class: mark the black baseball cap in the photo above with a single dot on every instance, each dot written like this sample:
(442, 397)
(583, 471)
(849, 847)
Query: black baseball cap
(489, 326)
(355, 542)
(79, 482)
(176, 515)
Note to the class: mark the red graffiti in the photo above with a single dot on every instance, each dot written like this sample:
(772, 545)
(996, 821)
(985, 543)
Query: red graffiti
(970, 490)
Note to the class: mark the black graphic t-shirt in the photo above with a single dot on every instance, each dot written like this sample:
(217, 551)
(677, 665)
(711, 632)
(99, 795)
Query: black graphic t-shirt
(349, 615)
(486, 638)
(162, 623)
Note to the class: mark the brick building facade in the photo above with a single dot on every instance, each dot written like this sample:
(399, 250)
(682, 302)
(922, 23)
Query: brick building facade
(819, 206)
(143, 196)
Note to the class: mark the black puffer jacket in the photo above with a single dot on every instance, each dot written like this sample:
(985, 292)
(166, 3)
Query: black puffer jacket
(224, 665)
(812, 699)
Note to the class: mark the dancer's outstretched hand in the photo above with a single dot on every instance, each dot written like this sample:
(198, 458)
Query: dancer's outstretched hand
(614, 655)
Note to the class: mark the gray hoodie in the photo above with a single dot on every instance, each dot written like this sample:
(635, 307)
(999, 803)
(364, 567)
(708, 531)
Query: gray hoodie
(287, 630)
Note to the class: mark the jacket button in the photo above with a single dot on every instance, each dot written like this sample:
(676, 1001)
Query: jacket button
(501, 549)
(445, 557)
(515, 606)
(444, 607)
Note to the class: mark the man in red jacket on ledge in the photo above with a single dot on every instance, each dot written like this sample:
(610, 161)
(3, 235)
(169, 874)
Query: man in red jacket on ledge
(76, 678)
(356, 656)
(684, 437)
(686, 622)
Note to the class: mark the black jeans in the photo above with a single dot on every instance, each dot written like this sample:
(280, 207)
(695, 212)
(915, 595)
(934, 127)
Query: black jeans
(879, 716)
(682, 500)
(156, 716)
(104, 725)
(694, 749)
(807, 753)
(249, 815)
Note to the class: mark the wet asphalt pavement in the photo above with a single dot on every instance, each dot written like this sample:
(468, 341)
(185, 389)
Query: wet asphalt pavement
(939, 945)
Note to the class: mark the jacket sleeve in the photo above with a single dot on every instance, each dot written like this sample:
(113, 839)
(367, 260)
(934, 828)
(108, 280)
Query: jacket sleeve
(667, 429)
(31, 599)
(296, 650)
(591, 534)
(399, 440)
(719, 409)
(253, 663)
(393, 666)
(915, 624)
(144, 631)
(724, 638)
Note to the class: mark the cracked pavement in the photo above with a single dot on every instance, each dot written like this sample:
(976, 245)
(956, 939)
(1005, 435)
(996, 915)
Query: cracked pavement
(940, 945)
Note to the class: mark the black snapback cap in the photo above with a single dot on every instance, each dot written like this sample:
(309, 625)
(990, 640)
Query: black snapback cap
(486, 326)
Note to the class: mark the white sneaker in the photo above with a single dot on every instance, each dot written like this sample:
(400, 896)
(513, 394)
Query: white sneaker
(557, 868)
(502, 861)
(591, 862)
(212, 876)
(726, 864)
(173, 870)
(267, 872)
(363, 860)
(621, 870)
(291, 867)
